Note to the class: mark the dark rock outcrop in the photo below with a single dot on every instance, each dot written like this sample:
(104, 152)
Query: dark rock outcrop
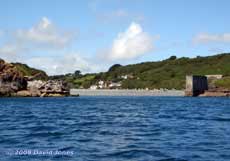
(11, 80)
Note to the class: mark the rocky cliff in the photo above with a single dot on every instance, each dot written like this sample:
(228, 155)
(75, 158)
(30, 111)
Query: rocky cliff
(11, 80)
(14, 82)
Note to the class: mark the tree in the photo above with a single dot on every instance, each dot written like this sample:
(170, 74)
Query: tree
(77, 73)
(173, 57)
(114, 67)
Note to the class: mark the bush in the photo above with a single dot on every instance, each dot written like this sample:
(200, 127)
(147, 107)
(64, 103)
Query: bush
(224, 83)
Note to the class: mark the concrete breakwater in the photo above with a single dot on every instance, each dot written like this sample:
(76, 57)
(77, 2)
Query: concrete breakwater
(125, 92)
(197, 85)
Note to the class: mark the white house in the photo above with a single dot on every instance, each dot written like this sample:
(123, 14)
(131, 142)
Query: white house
(112, 85)
(93, 87)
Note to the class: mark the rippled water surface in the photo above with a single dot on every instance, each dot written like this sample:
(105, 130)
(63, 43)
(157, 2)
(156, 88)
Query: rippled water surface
(115, 129)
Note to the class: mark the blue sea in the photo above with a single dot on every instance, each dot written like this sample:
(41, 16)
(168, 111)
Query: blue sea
(115, 129)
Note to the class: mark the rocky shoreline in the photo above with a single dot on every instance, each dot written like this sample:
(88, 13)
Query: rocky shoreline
(50, 88)
(216, 93)
(14, 84)
(39, 88)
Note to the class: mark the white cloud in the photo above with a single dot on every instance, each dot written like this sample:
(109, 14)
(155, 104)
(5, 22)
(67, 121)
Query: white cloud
(44, 33)
(12, 52)
(9, 49)
(64, 64)
(43, 36)
(24, 44)
(207, 38)
(216, 50)
(133, 43)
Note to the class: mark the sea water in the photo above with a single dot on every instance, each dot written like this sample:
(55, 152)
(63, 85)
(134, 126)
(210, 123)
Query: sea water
(115, 129)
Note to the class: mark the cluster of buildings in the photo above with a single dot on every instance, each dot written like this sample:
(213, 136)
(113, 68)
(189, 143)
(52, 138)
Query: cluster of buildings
(105, 85)
(110, 84)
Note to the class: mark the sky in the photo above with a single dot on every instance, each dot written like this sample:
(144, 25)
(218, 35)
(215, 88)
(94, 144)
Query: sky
(62, 36)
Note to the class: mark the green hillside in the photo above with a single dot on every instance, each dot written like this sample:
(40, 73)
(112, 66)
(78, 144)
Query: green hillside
(28, 71)
(169, 73)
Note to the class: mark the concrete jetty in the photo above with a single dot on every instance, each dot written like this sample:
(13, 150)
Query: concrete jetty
(196, 85)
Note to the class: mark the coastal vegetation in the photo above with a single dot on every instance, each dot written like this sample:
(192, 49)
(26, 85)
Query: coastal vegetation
(165, 74)
(29, 71)
(223, 83)
(76, 80)
(169, 73)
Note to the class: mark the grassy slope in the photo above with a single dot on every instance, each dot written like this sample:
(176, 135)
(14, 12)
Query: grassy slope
(224, 83)
(28, 71)
(169, 73)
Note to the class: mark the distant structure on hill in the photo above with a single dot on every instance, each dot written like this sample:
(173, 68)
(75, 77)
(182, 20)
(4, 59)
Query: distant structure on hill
(219, 76)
